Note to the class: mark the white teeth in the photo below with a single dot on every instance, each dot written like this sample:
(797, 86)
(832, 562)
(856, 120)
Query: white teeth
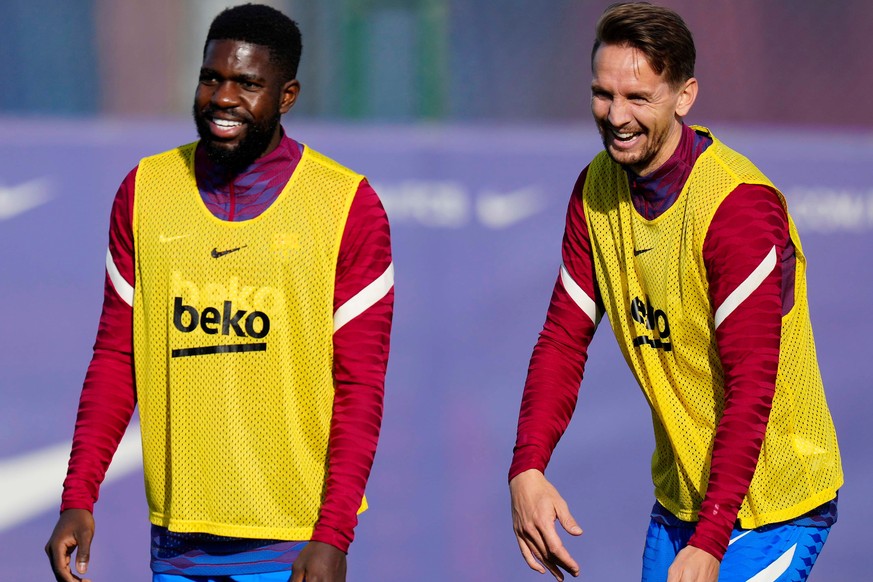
(623, 135)
(225, 123)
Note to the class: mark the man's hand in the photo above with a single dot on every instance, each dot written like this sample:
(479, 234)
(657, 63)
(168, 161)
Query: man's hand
(535, 506)
(693, 565)
(319, 562)
(75, 528)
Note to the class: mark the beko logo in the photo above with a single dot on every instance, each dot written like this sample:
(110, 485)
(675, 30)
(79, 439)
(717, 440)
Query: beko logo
(655, 321)
(254, 324)
(225, 309)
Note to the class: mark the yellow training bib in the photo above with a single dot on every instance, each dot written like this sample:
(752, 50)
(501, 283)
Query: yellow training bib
(233, 347)
(652, 281)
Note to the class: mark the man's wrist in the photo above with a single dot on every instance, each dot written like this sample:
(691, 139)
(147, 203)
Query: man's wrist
(525, 459)
(714, 547)
(333, 537)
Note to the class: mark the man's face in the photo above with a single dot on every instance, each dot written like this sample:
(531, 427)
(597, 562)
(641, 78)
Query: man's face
(637, 111)
(239, 102)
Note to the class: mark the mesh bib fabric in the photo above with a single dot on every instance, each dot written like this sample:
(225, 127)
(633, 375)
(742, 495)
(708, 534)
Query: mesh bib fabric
(653, 284)
(233, 325)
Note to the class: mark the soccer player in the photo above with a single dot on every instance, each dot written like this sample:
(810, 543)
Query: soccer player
(689, 250)
(247, 311)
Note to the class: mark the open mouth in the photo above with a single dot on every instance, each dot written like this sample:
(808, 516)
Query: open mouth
(624, 136)
(225, 128)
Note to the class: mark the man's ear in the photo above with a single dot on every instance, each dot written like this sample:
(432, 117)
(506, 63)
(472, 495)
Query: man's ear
(290, 91)
(687, 96)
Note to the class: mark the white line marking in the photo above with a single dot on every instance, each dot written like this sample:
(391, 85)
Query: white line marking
(501, 210)
(15, 200)
(31, 484)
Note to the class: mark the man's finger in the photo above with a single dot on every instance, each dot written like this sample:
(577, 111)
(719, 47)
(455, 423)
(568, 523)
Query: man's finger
(83, 557)
(59, 556)
(550, 565)
(567, 521)
(543, 564)
(546, 547)
(536, 541)
(528, 556)
(557, 553)
(541, 553)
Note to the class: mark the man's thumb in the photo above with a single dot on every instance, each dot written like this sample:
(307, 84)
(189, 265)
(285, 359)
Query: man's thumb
(83, 555)
(569, 524)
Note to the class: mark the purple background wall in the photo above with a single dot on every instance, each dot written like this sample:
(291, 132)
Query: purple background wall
(476, 214)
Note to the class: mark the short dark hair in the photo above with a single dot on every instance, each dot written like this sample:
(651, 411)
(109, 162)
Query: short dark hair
(261, 25)
(658, 32)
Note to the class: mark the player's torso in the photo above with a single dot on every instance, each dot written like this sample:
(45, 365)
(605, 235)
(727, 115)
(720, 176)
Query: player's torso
(233, 347)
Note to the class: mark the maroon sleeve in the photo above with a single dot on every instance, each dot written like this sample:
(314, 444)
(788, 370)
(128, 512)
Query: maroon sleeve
(558, 359)
(108, 397)
(748, 232)
(364, 273)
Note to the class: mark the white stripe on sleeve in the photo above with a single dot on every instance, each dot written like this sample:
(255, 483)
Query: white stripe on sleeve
(368, 296)
(122, 287)
(746, 288)
(579, 296)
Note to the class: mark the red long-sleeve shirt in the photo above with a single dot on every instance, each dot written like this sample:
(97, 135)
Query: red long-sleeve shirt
(360, 346)
(747, 226)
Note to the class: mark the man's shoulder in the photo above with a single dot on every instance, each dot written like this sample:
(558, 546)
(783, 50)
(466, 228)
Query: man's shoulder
(602, 158)
(179, 157)
(184, 149)
(328, 164)
(603, 169)
(722, 159)
(718, 149)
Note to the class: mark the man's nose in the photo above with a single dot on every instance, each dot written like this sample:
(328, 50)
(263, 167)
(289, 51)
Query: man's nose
(619, 113)
(225, 94)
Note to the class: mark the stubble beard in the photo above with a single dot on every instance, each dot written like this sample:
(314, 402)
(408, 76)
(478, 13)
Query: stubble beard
(637, 159)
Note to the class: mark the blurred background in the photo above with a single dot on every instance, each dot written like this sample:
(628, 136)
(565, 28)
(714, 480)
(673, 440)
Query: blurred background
(514, 61)
(471, 118)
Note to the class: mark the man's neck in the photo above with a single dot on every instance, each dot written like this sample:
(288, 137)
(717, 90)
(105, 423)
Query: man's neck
(665, 153)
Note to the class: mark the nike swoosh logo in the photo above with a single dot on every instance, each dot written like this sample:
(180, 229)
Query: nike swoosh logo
(166, 239)
(16, 200)
(217, 253)
(31, 484)
(638, 252)
(502, 210)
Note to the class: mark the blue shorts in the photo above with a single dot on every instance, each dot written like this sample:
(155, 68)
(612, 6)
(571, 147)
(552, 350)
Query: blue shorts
(783, 553)
(267, 577)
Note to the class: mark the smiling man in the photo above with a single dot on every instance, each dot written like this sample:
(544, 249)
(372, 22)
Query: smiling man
(689, 250)
(247, 312)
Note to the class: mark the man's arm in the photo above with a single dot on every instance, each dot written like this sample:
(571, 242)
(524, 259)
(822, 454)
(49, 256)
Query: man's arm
(363, 303)
(747, 251)
(107, 400)
(558, 359)
(549, 399)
